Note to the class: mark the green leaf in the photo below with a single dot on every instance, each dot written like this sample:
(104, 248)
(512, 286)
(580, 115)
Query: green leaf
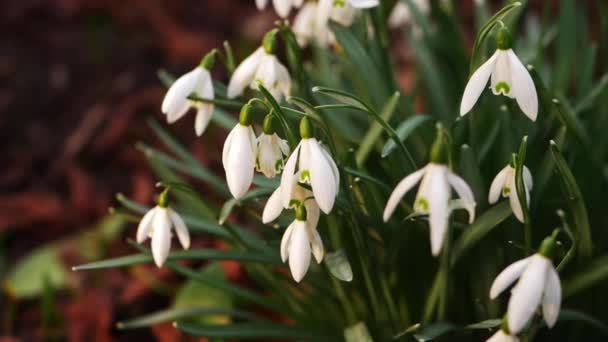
(194, 254)
(435, 330)
(566, 45)
(172, 315)
(590, 100)
(566, 315)
(27, 277)
(594, 273)
(485, 31)
(374, 132)
(338, 265)
(576, 203)
(480, 228)
(404, 130)
(255, 331)
(291, 138)
(231, 203)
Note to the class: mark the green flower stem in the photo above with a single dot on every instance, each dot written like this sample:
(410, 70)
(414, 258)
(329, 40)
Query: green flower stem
(442, 311)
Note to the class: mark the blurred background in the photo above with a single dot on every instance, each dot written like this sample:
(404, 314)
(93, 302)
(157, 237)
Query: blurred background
(78, 82)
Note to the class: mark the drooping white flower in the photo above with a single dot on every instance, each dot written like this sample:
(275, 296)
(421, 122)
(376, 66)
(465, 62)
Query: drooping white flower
(538, 284)
(401, 14)
(509, 77)
(504, 183)
(299, 195)
(261, 68)
(198, 82)
(315, 166)
(299, 241)
(433, 198)
(271, 151)
(502, 336)
(238, 156)
(157, 224)
(312, 21)
(282, 7)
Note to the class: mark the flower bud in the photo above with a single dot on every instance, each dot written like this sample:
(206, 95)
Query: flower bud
(503, 39)
(245, 117)
(270, 42)
(268, 126)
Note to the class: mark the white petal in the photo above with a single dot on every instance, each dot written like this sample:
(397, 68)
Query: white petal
(244, 73)
(273, 207)
(322, 178)
(261, 4)
(528, 182)
(226, 148)
(364, 3)
(438, 198)
(286, 241)
(400, 15)
(334, 167)
(240, 162)
(497, 184)
(161, 236)
(299, 251)
(502, 74)
(553, 298)
(523, 87)
(400, 190)
(514, 199)
(464, 192)
(203, 116)
(282, 7)
(501, 336)
(476, 85)
(283, 145)
(316, 243)
(176, 103)
(145, 226)
(508, 276)
(288, 177)
(527, 294)
(180, 228)
(312, 211)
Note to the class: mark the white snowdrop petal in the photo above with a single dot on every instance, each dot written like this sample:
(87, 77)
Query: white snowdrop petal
(244, 73)
(400, 15)
(400, 190)
(312, 210)
(476, 85)
(439, 212)
(226, 148)
(497, 184)
(523, 87)
(322, 176)
(288, 177)
(176, 103)
(528, 182)
(145, 226)
(501, 75)
(282, 7)
(273, 207)
(514, 199)
(501, 336)
(527, 294)
(180, 228)
(364, 3)
(317, 244)
(261, 4)
(552, 298)
(203, 116)
(333, 166)
(286, 242)
(508, 276)
(299, 251)
(240, 162)
(464, 192)
(161, 236)
(282, 145)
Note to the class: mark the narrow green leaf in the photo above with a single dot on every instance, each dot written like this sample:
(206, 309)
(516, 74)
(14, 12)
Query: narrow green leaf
(231, 203)
(195, 254)
(254, 331)
(480, 228)
(576, 203)
(404, 130)
(592, 96)
(291, 138)
(172, 315)
(594, 273)
(374, 132)
(566, 315)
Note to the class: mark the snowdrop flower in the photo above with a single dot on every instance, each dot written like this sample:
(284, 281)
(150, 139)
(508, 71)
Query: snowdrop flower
(504, 183)
(271, 150)
(238, 156)
(509, 77)
(433, 196)
(315, 167)
(262, 68)
(312, 21)
(361, 3)
(503, 336)
(299, 240)
(156, 224)
(299, 195)
(401, 15)
(538, 284)
(282, 7)
(197, 81)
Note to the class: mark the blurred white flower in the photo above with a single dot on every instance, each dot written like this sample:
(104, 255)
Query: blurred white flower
(299, 241)
(361, 3)
(261, 68)
(270, 154)
(401, 15)
(433, 198)
(238, 156)
(176, 102)
(504, 183)
(502, 336)
(315, 167)
(156, 224)
(312, 21)
(538, 282)
(509, 77)
(282, 7)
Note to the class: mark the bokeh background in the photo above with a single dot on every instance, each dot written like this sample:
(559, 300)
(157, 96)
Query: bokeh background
(78, 83)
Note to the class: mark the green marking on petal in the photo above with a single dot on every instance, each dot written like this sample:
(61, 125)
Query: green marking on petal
(502, 87)
(422, 205)
(339, 3)
(294, 203)
(506, 191)
(305, 176)
(278, 166)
